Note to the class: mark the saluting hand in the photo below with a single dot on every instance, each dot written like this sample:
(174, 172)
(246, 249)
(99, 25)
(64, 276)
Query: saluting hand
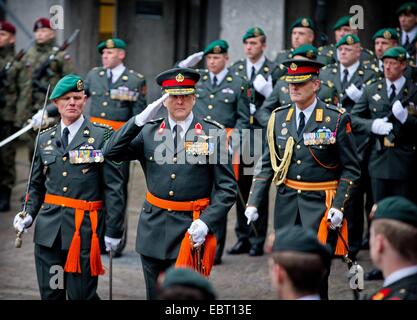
(191, 60)
(150, 111)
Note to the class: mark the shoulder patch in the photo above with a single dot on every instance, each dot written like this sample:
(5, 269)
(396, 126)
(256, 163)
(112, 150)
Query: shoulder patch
(48, 129)
(214, 123)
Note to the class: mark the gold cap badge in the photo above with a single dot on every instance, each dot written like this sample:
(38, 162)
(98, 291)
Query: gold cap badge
(256, 32)
(80, 85)
(110, 44)
(387, 34)
(305, 23)
(293, 66)
(217, 49)
(349, 40)
(179, 77)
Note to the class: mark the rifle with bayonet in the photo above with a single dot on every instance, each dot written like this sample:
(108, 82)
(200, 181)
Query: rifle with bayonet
(45, 68)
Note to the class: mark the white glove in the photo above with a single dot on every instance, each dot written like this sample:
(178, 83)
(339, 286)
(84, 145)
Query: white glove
(399, 111)
(111, 243)
(264, 87)
(191, 60)
(150, 111)
(37, 120)
(21, 224)
(252, 214)
(354, 93)
(198, 231)
(381, 126)
(335, 217)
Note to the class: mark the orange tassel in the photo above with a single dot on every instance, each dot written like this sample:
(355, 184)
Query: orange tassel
(323, 230)
(73, 257)
(96, 267)
(209, 254)
(341, 249)
(184, 258)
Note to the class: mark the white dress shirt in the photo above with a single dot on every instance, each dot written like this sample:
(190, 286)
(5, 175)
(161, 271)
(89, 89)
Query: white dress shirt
(399, 83)
(258, 65)
(352, 69)
(411, 35)
(399, 274)
(116, 72)
(307, 112)
(220, 76)
(185, 124)
(73, 128)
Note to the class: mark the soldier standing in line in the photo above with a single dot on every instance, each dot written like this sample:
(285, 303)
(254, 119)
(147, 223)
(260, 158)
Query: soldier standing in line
(15, 90)
(71, 182)
(407, 17)
(116, 94)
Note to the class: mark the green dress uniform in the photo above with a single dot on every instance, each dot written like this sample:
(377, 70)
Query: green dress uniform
(64, 175)
(385, 156)
(410, 46)
(403, 289)
(15, 91)
(328, 55)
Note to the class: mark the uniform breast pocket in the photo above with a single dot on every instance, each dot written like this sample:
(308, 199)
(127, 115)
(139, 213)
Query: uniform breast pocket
(227, 98)
(47, 160)
(377, 109)
(324, 155)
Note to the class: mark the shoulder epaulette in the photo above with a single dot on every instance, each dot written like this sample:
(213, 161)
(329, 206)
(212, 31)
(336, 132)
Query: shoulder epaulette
(48, 129)
(334, 108)
(214, 122)
(156, 120)
(102, 125)
(282, 107)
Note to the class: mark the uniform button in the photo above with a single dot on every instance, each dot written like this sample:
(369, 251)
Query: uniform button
(106, 93)
(65, 173)
(209, 117)
(374, 109)
(64, 158)
(250, 192)
(350, 182)
(169, 210)
(210, 107)
(65, 189)
(346, 195)
(105, 103)
(298, 161)
(173, 176)
(93, 93)
(103, 114)
(226, 100)
(298, 191)
(45, 162)
(150, 158)
(298, 146)
(174, 160)
(171, 193)
(414, 147)
(342, 209)
(212, 96)
(298, 177)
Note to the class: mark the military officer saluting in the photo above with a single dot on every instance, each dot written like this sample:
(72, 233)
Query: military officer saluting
(223, 97)
(261, 74)
(329, 54)
(280, 95)
(116, 94)
(312, 160)
(302, 32)
(15, 94)
(190, 186)
(71, 182)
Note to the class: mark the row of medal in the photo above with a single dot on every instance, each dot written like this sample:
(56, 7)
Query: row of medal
(124, 94)
(85, 156)
(321, 136)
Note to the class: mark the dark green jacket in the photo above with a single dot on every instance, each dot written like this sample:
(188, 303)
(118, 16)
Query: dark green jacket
(309, 163)
(54, 174)
(374, 104)
(187, 178)
(328, 55)
(403, 289)
(109, 102)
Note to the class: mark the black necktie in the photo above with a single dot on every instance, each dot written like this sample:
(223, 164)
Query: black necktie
(252, 75)
(214, 81)
(407, 40)
(393, 94)
(65, 134)
(345, 79)
(110, 79)
(302, 123)
(177, 139)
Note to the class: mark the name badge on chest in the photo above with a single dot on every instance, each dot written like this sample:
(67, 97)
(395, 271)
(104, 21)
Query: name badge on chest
(85, 156)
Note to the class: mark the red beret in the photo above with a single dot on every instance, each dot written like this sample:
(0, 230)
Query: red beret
(42, 23)
(7, 26)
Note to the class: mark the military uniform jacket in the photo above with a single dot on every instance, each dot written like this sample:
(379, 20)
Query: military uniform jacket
(283, 55)
(54, 173)
(268, 68)
(328, 55)
(280, 96)
(183, 177)
(309, 163)
(15, 88)
(374, 104)
(411, 48)
(119, 102)
(403, 289)
(331, 76)
(228, 103)
(61, 66)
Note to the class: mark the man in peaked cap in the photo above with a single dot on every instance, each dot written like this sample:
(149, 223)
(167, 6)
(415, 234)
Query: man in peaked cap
(307, 140)
(15, 94)
(190, 186)
(302, 32)
(116, 93)
(407, 17)
(328, 53)
(71, 183)
(184, 284)
(299, 264)
(393, 248)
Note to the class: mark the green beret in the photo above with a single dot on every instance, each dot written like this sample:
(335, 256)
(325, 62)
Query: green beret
(398, 53)
(304, 23)
(306, 50)
(188, 278)
(408, 7)
(397, 208)
(253, 32)
(343, 21)
(299, 239)
(217, 46)
(69, 83)
(348, 39)
(386, 33)
(111, 44)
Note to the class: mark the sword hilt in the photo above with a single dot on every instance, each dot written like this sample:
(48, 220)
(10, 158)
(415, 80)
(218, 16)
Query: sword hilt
(18, 241)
